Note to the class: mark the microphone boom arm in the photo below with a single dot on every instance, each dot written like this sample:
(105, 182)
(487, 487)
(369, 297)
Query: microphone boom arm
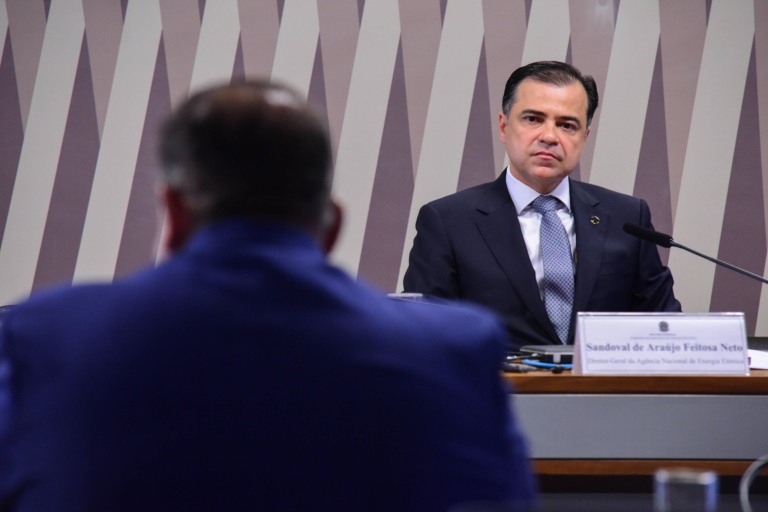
(719, 262)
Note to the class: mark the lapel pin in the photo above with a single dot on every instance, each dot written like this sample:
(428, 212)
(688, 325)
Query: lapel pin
(594, 220)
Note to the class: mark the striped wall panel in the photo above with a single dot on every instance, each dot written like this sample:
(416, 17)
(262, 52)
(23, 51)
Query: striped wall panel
(411, 92)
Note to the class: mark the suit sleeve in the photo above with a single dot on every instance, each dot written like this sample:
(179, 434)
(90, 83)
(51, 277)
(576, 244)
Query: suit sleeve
(497, 465)
(5, 383)
(431, 264)
(653, 290)
(522, 484)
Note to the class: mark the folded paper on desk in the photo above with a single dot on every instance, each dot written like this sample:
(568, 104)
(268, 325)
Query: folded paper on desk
(558, 354)
(758, 359)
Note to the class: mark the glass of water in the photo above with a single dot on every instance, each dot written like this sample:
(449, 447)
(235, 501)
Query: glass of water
(685, 490)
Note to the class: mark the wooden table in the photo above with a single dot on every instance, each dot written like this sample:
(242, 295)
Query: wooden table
(547, 382)
(632, 425)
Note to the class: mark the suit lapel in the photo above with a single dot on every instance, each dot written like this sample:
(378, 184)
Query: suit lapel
(591, 223)
(500, 230)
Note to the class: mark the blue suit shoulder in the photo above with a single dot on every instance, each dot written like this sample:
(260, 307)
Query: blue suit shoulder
(604, 194)
(431, 322)
(466, 196)
(454, 321)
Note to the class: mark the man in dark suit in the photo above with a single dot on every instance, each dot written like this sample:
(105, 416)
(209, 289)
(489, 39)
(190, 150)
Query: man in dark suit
(486, 244)
(245, 372)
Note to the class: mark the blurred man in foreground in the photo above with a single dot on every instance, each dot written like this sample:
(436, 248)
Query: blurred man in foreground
(246, 372)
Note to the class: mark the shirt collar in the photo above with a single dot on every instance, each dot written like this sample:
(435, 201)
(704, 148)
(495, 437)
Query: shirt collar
(522, 194)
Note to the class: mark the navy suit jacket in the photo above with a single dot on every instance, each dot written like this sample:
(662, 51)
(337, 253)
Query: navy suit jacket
(469, 246)
(246, 373)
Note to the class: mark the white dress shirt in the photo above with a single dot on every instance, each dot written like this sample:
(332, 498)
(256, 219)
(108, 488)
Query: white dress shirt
(522, 195)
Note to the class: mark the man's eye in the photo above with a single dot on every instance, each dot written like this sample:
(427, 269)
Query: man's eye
(569, 127)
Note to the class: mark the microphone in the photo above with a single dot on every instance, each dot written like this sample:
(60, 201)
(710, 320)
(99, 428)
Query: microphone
(649, 235)
(665, 240)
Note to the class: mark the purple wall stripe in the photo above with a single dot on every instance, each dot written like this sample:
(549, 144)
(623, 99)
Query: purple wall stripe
(138, 243)
(710, 147)
(420, 24)
(339, 26)
(12, 132)
(259, 26)
(443, 7)
(316, 95)
(761, 78)
(743, 241)
(392, 189)
(72, 186)
(181, 30)
(505, 27)
(26, 24)
(121, 142)
(683, 29)
(4, 32)
(592, 28)
(652, 179)
(238, 68)
(103, 28)
(477, 165)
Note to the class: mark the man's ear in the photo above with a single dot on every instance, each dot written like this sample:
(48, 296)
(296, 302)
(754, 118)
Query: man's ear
(503, 120)
(179, 221)
(329, 232)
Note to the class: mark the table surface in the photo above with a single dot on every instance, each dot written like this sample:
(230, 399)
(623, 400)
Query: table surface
(545, 382)
(633, 424)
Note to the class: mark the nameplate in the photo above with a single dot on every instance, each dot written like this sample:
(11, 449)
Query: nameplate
(660, 343)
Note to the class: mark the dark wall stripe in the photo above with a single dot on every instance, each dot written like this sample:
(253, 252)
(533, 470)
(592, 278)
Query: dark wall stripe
(316, 94)
(652, 178)
(360, 8)
(743, 240)
(72, 185)
(477, 161)
(12, 136)
(392, 190)
(238, 69)
(137, 246)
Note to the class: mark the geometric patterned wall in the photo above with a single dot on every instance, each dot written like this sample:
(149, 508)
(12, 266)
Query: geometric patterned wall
(411, 91)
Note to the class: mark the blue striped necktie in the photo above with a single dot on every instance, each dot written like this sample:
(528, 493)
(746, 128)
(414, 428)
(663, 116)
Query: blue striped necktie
(558, 265)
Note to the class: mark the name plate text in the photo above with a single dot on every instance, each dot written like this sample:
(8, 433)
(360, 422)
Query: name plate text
(660, 343)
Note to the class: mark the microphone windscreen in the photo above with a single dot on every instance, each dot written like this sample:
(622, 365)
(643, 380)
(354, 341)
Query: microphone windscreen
(649, 235)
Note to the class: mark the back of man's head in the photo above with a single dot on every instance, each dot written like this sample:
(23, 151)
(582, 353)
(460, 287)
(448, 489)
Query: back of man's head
(251, 149)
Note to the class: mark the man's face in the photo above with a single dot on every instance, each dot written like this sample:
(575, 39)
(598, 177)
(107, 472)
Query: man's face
(545, 132)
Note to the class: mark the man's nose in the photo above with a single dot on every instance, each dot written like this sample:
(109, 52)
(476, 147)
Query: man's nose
(548, 134)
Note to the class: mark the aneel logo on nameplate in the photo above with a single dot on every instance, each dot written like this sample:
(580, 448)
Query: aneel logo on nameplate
(660, 343)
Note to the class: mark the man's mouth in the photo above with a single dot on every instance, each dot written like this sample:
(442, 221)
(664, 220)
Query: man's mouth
(546, 155)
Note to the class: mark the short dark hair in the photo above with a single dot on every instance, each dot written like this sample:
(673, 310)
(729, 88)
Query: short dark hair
(250, 149)
(550, 72)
